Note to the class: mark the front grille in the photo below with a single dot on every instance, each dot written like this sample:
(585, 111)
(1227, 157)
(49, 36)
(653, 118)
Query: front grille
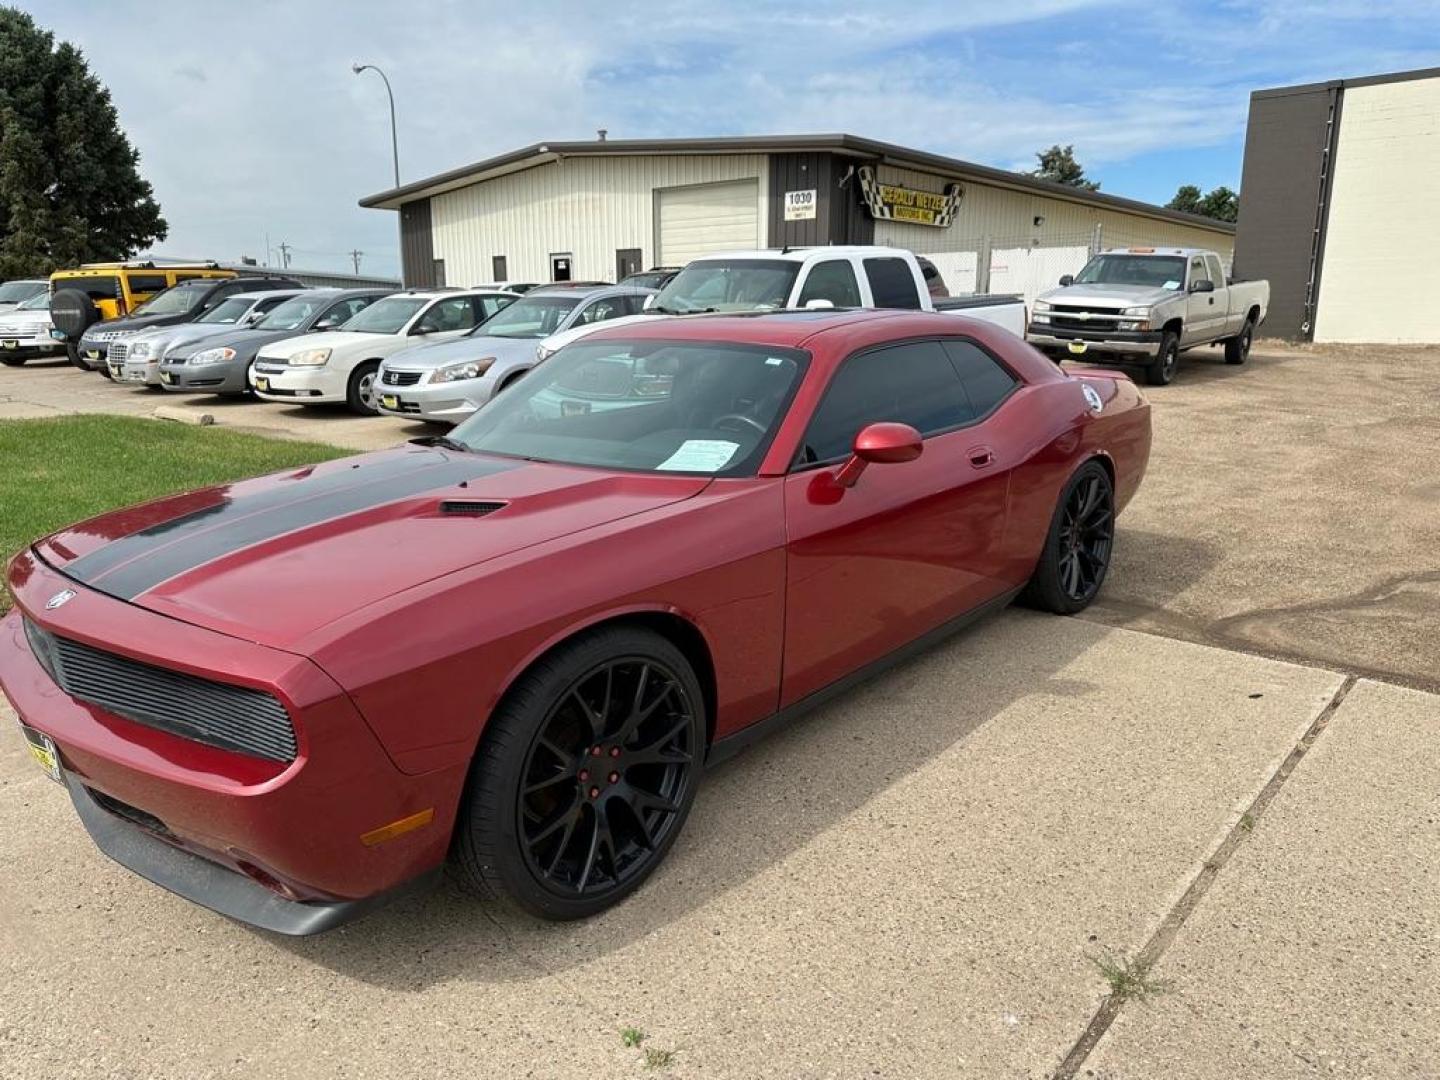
(269, 363)
(400, 378)
(216, 714)
(118, 351)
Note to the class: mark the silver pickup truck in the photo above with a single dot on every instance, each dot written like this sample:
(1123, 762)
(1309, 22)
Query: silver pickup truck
(1145, 306)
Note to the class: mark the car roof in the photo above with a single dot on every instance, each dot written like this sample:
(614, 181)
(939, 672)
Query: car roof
(782, 328)
(267, 294)
(801, 254)
(589, 292)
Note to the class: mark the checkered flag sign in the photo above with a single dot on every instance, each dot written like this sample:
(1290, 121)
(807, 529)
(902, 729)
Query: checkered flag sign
(891, 202)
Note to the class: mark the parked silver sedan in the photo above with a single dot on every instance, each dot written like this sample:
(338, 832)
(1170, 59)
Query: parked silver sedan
(136, 358)
(446, 382)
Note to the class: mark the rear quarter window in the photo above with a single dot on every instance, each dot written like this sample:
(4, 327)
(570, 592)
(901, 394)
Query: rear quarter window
(985, 380)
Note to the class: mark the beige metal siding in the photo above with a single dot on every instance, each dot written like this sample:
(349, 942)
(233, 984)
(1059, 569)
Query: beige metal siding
(1003, 219)
(705, 218)
(589, 207)
(1380, 275)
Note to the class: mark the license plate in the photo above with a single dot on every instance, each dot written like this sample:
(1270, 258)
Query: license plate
(389, 401)
(92, 354)
(166, 377)
(10, 343)
(1077, 348)
(44, 752)
(135, 376)
(262, 383)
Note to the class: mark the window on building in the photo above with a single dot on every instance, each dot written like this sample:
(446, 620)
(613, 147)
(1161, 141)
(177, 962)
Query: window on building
(439, 273)
(833, 280)
(892, 283)
(913, 384)
(498, 271)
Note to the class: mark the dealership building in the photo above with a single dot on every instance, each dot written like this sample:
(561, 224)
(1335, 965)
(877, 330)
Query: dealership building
(601, 209)
(1339, 208)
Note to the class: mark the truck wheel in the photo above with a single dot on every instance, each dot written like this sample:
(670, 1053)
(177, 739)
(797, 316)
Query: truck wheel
(1237, 348)
(1161, 370)
(73, 352)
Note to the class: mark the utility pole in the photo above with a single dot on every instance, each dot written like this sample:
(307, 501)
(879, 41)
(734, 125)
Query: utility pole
(284, 254)
(355, 257)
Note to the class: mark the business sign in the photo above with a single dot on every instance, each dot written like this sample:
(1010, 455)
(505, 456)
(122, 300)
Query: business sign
(891, 202)
(800, 205)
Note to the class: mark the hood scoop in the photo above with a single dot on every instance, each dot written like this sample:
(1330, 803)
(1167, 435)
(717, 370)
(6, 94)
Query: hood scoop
(468, 507)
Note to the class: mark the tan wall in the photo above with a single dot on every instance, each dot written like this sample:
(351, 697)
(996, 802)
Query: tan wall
(1381, 278)
(590, 207)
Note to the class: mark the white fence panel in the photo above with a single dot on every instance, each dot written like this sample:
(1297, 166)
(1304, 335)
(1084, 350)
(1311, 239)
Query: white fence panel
(1030, 271)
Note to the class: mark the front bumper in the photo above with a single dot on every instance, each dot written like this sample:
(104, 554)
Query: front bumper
(136, 372)
(275, 382)
(447, 403)
(1136, 343)
(29, 343)
(212, 824)
(227, 377)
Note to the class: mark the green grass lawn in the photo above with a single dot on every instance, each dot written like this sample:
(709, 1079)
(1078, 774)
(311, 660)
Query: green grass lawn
(57, 471)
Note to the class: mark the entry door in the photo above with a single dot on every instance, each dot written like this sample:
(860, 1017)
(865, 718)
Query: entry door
(627, 262)
(911, 545)
(560, 265)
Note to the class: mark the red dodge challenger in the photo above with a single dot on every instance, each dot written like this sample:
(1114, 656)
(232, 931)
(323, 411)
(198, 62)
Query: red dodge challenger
(516, 648)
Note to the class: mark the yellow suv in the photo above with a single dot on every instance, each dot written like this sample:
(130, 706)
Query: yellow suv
(99, 292)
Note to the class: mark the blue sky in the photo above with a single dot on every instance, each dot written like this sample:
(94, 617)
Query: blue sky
(250, 122)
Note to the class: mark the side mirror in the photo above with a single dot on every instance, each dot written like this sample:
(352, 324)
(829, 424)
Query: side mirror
(818, 304)
(1203, 285)
(1066, 280)
(649, 302)
(880, 444)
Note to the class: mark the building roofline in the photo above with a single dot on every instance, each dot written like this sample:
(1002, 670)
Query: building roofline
(1333, 84)
(852, 145)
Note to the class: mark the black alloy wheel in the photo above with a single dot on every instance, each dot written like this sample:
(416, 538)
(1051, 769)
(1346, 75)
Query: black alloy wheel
(1237, 349)
(606, 777)
(1080, 543)
(1161, 371)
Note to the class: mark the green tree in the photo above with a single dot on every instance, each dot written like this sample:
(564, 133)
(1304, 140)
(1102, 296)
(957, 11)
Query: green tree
(1058, 165)
(70, 189)
(1221, 204)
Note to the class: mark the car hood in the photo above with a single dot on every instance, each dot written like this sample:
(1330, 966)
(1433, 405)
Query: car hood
(275, 559)
(1117, 296)
(561, 338)
(429, 357)
(24, 320)
(136, 323)
(297, 341)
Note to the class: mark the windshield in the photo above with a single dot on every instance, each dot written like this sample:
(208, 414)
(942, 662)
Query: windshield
(292, 313)
(40, 302)
(173, 301)
(729, 285)
(529, 317)
(1155, 271)
(643, 406)
(387, 316)
(14, 291)
(227, 312)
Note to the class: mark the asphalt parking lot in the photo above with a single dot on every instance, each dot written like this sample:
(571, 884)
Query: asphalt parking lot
(1227, 769)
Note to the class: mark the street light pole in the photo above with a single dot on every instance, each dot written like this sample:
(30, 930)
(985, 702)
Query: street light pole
(394, 138)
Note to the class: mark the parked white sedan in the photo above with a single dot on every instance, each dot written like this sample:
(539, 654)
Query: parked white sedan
(341, 365)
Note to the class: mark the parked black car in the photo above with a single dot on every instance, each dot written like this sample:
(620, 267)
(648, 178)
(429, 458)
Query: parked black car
(73, 313)
(219, 365)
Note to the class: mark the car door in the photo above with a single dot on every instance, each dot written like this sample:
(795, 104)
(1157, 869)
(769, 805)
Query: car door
(910, 546)
(1200, 309)
(1227, 319)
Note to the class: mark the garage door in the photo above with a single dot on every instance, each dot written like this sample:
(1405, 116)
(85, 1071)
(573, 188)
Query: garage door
(706, 218)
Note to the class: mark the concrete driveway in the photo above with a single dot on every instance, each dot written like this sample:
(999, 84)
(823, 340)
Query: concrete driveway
(926, 878)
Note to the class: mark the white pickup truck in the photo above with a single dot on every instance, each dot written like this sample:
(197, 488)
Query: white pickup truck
(1145, 306)
(820, 277)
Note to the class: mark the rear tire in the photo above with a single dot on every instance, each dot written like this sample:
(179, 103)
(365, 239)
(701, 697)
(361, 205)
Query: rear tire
(1079, 545)
(360, 392)
(1237, 348)
(573, 798)
(1161, 370)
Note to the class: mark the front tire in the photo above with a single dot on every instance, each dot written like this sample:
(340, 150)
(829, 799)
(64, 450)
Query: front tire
(584, 776)
(1161, 370)
(1237, 349)
(73, 352)
(360, 391)
(1078, 546)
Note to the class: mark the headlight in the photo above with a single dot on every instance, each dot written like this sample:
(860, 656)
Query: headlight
(213, 356)
(470, 369)
(1040, 305)
(542, 354)
(310, 358)
(1141, 311)
(140, 350)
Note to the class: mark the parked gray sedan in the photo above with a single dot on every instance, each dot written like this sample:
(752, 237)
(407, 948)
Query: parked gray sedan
(219, 364)
(447, 382)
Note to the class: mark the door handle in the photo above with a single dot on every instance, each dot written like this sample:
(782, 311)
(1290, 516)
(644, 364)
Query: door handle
(981, 456)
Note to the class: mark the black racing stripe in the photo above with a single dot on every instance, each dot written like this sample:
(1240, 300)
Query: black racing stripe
(227, 509)
(253, 526)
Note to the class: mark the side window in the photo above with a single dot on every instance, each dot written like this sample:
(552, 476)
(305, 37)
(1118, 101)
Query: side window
(269, 303)
(1198, 271)
(892, 283)
(984, 378)
(600, 310)
(1217, 272)
(489, 305)
(833, 280)
(455, 313)
(913, 384)
(146, 283)
(634, 305)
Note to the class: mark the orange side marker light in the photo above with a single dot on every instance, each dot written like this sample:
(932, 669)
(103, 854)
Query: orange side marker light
(398, 828)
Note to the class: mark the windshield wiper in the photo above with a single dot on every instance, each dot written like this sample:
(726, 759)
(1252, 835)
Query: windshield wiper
(445, 442)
